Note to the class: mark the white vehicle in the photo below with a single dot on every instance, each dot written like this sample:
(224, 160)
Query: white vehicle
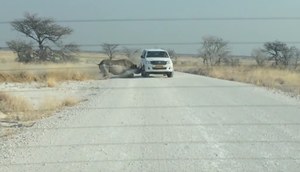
(156, 61)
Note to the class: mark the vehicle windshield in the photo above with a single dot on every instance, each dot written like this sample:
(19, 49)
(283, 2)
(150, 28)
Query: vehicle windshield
(157, 54)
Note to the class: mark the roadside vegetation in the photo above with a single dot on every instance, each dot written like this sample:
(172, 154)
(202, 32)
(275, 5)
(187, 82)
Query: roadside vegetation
(16, 108)
(48, 72)
(275, 65)
(282, 79)
(9, 105)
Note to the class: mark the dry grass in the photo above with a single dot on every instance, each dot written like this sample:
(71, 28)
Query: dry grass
(52, 104)
(51, 82)
(282, 79)
(14, 107)
(269, 77)
(49, 73)
(7, 56)
(18, 112)
(19, 109)
(70, 101)
(7, 132)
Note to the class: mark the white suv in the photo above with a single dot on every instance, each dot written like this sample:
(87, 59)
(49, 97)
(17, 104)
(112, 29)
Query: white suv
(156, 61)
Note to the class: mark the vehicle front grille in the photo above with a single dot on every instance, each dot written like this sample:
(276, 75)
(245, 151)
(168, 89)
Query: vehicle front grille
(159, 68)
(158, 62)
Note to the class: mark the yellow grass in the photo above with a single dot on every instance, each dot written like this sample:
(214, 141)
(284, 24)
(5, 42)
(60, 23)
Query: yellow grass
(14, 107)
(49, 73)
(282, 79)
(18, 108)
(270, 77)
(7, 132)
(70, 101)
(7, 57)
(52, 103)
(51, 82)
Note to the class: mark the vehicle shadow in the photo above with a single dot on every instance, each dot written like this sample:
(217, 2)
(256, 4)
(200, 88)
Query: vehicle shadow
(137, 77)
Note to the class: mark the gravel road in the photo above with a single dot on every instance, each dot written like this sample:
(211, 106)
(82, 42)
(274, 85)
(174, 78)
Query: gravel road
(186, 123)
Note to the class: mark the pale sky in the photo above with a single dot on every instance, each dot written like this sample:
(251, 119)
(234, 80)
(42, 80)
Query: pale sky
(162, 31)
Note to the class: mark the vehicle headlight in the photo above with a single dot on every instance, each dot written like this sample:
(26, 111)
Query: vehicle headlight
(147, 62)
(168, 62)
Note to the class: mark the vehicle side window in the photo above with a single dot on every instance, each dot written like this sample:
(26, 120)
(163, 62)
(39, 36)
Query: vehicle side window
(143, 54)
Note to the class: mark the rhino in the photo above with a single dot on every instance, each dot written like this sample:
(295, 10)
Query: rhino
(118, 68)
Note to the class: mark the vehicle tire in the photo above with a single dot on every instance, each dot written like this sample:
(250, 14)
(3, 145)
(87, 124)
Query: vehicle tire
(170, 75)
(145, 74)
(131, 76)
(143, 71)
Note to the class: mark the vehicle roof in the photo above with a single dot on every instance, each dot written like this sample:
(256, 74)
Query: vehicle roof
(154, 49)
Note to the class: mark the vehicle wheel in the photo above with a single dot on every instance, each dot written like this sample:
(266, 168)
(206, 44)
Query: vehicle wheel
(145, 74)
(170, 75)
(131, 76)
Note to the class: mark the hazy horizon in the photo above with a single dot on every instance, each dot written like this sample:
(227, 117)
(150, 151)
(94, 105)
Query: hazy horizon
(180, 31)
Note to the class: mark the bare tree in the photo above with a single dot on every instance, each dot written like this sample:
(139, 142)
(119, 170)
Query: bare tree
(214, 50)
(294, 58)
(172, 54)
(110, 50)
(297, 58)
(131, 53)
(66, 52)
(279, 52)
(43, 31)
(232, 61)
(24, 51)
(260, 57)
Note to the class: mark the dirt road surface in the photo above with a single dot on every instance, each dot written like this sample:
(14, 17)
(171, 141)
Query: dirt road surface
(186, 123)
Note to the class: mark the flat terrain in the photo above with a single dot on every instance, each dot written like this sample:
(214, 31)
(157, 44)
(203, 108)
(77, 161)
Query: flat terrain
(185, 123)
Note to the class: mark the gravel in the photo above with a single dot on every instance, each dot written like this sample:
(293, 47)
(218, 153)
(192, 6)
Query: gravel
(185, 123)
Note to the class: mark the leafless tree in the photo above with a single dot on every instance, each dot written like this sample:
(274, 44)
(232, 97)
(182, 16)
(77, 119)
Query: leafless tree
(279, 52)
(297, 58)
(214, 50)
(260, 57)
(24, 51)
(110, 50)
(172, 54)
(66, 52)
(294, 57)
(131, 53)
(232, 61)
(43, 31)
